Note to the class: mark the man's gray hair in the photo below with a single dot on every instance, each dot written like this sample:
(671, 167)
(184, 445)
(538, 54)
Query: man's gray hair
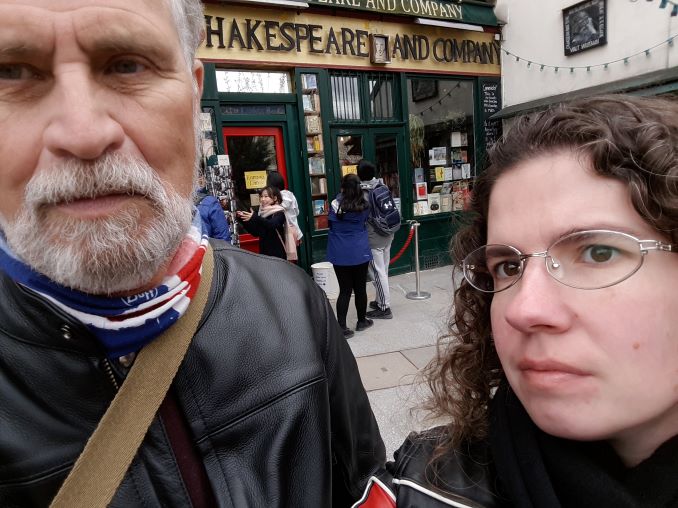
(189, 18)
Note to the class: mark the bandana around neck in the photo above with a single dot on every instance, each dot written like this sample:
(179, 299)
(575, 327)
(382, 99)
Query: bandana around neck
(123, 325)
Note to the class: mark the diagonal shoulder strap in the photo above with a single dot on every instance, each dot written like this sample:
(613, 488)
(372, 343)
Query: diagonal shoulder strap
(97, 473)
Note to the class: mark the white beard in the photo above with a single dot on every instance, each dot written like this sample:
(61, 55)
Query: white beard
(113, 254)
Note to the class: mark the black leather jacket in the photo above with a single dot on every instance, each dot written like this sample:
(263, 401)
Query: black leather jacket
(269, 388)
(464, 478)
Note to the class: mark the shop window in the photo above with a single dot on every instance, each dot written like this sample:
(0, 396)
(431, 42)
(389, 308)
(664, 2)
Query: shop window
(253, 81)
(345, 97)
(441, 144)
(357, 96)
(386, 159)
(380, 88)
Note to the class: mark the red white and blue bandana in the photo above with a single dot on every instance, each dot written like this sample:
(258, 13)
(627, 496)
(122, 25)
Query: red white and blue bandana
(123, 325)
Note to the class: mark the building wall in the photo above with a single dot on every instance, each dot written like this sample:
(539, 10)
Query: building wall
(534, 32)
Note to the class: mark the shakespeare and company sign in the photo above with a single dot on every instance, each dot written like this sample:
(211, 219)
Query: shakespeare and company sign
(289, 38)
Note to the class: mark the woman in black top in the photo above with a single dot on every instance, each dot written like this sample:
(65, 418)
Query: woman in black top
(559, 375)
(268, 224)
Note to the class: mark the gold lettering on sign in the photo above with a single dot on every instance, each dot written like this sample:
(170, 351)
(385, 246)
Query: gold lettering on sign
(432, 8)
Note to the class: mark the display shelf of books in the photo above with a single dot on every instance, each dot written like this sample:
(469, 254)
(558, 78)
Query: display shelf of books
(310, 98)
(446, 184)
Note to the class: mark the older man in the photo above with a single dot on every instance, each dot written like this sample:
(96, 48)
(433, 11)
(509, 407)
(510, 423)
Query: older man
(101, 245)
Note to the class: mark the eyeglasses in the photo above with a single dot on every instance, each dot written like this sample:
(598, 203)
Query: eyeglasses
(584, 260)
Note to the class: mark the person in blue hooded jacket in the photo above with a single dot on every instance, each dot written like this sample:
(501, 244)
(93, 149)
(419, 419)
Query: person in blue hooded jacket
(348, 249)
(212, 214)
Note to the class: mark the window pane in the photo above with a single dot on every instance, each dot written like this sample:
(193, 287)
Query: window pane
(253, 109)
(350, 150)
(345, 97)
(386, 160)
(381, 97)
(250, 153)
(441, 144)
(253, 81)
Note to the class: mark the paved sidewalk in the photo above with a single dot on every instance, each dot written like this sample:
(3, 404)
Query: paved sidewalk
(390, 353)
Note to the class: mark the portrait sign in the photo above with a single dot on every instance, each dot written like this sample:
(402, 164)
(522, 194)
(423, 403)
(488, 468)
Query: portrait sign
(584, 26)
(379, 50)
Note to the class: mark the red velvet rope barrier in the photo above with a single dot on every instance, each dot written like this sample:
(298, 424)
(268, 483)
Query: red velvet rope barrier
(404, 248)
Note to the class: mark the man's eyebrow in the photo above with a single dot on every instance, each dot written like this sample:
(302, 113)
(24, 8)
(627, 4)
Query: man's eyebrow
(19, 50)
(134, 42)
(124, 45)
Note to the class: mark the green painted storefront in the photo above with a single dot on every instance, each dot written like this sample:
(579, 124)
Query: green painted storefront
(285, 111)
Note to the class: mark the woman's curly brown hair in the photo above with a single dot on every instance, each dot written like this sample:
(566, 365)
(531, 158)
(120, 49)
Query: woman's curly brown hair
(631, 139)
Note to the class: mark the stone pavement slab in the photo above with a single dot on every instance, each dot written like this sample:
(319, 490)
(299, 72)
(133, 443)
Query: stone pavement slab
(385, 370)
(420, 356)
(391, 353)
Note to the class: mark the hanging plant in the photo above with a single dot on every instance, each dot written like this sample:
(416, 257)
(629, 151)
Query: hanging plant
(416, 139)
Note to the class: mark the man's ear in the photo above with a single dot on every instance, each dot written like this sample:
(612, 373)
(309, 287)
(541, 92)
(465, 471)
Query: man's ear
(198, 75)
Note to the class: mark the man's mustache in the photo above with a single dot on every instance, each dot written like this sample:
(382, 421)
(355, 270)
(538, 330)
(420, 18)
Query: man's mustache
(111, 175)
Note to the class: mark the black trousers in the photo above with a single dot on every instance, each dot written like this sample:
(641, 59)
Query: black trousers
(352, 279)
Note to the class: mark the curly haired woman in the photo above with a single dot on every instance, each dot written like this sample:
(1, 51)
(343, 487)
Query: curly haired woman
(560, 371)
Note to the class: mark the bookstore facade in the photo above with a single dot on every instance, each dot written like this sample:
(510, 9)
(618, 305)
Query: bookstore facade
(309, 92)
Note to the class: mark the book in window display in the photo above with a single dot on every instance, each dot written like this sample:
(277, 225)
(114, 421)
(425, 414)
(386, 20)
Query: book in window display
(319, 207)
(445, 202)
(434, 203)
(309, 82)
(458, 138)
(421, 208)
(421, 191)
(314, 144)
(461, 196)
(316, 165)
(308, 103)
(315, 186)
(437, 156)
(312, 124)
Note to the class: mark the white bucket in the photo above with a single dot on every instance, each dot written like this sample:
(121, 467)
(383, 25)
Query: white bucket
(324, 276)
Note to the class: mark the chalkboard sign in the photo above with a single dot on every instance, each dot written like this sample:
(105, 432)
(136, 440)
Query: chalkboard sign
(491, 101)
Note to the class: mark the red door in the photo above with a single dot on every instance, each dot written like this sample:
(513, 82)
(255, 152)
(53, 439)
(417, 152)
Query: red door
(253, 152)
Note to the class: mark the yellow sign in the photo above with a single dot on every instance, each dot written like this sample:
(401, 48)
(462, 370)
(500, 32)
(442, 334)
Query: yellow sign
(296, 38)
(255, 179)
(346, 170)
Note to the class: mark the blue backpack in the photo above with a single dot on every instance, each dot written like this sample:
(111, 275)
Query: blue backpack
(384, 214)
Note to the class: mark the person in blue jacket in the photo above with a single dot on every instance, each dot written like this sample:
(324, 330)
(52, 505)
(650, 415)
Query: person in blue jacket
(212, 214)
(348, 249)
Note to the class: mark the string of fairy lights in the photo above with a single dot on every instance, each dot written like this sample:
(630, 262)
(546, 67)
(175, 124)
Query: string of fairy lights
(571, 68)
(665, 3)
(439, 101)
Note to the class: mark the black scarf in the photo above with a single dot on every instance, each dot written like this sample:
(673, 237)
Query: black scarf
(537, 470)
